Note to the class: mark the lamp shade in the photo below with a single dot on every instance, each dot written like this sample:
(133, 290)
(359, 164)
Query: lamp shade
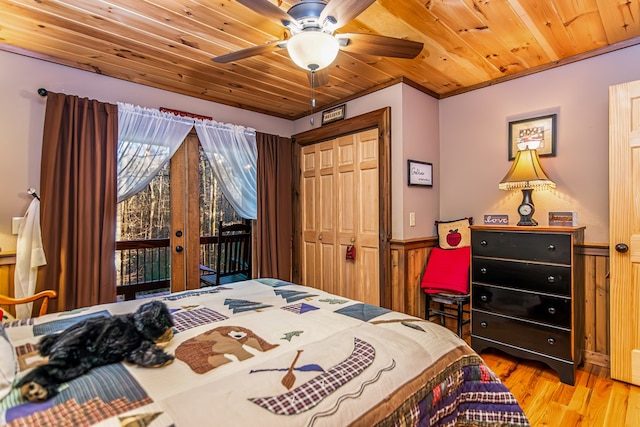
(313, 50)
(526, 172)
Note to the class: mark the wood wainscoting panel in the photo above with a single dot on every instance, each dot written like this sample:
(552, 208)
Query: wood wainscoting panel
(407, 263)
(596, 288)
(7, 271)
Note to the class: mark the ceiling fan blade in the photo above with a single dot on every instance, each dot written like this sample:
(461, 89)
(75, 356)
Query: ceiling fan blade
(373, 44)
(344, 11)
(319, 78)
(269, 11)
(251, 51)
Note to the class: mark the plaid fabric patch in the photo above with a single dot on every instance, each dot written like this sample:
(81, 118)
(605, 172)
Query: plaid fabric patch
(495, 417)
(188, 294)
(299, 308)
(62, 324)
(187, 319)
(309, 394)
(467, 393)
(72, 414)
(18, 322)
(100, 394)
(274, 283)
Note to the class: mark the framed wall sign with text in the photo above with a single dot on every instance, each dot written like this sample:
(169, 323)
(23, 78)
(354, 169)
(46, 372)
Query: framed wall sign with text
(420, 173)
(333, 114)
(538, 132)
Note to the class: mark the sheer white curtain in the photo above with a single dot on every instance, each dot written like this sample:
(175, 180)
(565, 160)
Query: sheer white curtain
(147, 139)
(231, 150)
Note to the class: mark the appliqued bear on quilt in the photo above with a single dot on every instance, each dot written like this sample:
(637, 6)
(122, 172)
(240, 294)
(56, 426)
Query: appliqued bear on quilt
(207, 351)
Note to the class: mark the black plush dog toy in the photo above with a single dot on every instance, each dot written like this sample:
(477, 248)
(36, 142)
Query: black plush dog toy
(100, 341)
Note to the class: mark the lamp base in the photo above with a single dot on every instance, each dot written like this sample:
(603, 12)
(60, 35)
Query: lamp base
(526, 209)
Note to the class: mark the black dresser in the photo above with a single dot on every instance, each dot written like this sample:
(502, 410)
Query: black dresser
(527, 294)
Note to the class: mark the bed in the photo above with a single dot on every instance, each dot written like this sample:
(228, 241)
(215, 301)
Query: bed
(276, 354)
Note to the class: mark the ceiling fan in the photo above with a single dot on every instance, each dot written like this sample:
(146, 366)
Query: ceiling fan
(313, 45)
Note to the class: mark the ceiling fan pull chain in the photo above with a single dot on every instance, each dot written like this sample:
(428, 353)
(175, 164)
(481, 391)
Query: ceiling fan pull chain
(313, 96)
(313, 90)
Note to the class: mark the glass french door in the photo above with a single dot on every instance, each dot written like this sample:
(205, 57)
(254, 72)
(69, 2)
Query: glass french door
(158, 230)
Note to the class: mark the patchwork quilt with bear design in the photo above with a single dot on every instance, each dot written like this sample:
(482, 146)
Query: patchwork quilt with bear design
(272, 353)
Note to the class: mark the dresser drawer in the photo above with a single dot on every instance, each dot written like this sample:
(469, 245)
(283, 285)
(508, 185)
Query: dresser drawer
(552, 279)
(527, 305)
(531, 336)
(541, 247)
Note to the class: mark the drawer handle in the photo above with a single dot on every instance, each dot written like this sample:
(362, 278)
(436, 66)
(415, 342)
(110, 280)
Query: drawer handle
(484, 298)
(483, 243)
(551, 248)
(551, 310)
(484, 324)
(551, 341)
(483, 270)
(551, 279)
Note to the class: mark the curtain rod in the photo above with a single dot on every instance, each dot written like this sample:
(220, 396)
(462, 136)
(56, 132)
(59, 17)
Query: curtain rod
(42, 92)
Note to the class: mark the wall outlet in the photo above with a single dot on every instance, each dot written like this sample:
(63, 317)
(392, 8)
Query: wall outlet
(15, 224)
(412, 219)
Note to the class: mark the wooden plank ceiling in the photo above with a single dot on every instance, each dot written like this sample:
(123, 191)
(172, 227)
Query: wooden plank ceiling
(168, 44)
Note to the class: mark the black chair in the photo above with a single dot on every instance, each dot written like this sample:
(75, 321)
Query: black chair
(445, 281)
(232, 254)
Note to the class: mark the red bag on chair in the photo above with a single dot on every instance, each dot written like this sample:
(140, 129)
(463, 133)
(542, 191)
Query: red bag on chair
(447, 271)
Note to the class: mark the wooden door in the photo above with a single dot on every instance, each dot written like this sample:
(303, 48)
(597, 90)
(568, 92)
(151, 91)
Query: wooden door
(185, 216)
(318, 233)
(624, 236)
(340, 207)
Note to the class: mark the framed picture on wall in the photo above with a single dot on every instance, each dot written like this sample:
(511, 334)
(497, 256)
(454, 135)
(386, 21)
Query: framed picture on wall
(420, 173)
(537, 132)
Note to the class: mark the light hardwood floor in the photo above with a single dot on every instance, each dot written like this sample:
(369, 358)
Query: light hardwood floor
(594, 401)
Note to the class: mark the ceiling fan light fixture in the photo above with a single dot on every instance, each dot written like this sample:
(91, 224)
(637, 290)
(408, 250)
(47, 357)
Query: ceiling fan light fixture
(313, 50)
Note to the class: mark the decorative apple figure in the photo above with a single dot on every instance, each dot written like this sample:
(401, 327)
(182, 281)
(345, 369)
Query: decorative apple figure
(453, 237)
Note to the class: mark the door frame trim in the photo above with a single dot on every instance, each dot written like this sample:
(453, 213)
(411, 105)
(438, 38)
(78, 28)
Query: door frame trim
(380, 119)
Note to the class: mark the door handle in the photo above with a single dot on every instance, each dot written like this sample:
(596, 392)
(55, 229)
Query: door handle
(622, 248)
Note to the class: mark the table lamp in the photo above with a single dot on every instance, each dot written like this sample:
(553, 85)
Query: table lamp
(526, 173)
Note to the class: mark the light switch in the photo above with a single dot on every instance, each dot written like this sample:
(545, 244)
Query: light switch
(15, 224)
(412, 219)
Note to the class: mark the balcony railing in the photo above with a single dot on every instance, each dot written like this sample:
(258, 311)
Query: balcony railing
(144, 266)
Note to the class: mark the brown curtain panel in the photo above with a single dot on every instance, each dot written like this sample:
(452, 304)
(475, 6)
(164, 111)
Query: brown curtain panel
(274, 226)
(78, 201)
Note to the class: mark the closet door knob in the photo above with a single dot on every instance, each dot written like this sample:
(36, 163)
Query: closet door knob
(622, 248)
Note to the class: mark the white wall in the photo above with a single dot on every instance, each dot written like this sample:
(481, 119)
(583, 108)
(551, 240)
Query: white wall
(465, 137)
(22, 118)
(473, 142)
(414, 135)
(420, 141)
